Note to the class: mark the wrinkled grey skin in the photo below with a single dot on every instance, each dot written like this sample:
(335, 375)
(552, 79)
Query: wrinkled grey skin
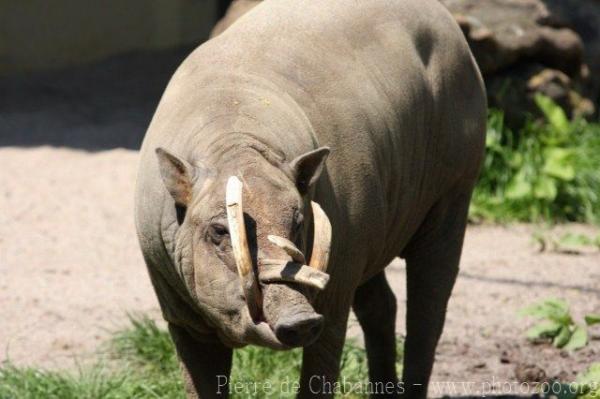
(392, 89)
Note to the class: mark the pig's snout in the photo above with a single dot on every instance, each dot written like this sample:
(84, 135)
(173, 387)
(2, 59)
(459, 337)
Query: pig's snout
(290, 315)
(299, 329)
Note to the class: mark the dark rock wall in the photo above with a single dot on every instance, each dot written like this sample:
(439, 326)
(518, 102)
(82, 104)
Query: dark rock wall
(524, 47)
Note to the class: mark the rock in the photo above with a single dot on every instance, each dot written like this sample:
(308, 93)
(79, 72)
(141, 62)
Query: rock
(522, 49)
(505, 357)
(504, 32)
(583, 17)
(480, 365)
(529, 373)
(513, 90)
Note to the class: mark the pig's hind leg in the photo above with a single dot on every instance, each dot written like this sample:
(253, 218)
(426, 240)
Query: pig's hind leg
(432, 258)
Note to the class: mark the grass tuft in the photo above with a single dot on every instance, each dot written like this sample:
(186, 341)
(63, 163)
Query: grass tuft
(144, 344)
(97, 382)
(143, 365)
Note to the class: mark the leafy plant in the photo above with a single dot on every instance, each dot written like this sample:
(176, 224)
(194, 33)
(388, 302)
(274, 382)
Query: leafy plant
(586, 386)
(589, 382)
(557, 324)
(548, 171)
(569, 243)
(578, 240)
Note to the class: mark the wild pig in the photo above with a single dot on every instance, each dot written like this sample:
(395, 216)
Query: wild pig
(290, 159)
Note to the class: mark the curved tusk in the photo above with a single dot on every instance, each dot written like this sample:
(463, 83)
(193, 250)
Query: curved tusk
(319, 258)
(237, 228)
(239, 244)
(288, 247)
(293, 273)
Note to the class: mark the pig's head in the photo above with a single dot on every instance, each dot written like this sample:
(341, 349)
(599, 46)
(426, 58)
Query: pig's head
(241, 246)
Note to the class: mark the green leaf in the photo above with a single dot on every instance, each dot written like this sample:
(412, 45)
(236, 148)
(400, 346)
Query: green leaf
(553, 113)
(559, 163)
(515, 160)
(545, 329)
(518, 187)
(545, 188)
(591, 375)
(563, 337)
(592, 319)
(589, 382)
(552, 308)
(578, 340)
(492, 140)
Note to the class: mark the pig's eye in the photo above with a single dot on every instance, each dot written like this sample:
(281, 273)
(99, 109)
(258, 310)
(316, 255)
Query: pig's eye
(217, 233)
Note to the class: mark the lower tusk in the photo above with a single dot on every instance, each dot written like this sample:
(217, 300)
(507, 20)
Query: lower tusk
(293, 273)
(288, 247)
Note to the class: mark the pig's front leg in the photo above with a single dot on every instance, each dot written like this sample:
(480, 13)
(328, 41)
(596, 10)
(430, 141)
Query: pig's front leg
(321, 360)
(205, 366)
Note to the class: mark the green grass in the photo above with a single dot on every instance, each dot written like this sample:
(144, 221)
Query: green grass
(548, 171)
(142, 364)
(29, 383)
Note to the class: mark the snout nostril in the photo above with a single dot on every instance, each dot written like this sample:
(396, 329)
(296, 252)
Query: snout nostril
(298, 330)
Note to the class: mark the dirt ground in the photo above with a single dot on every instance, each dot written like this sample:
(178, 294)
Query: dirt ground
(70, 270)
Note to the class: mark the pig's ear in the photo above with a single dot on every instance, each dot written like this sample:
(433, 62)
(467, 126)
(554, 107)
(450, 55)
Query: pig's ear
(308, 167)
(177, 175)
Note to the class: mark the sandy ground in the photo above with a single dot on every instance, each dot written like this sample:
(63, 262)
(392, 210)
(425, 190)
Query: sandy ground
(70, 267)
(70, 270)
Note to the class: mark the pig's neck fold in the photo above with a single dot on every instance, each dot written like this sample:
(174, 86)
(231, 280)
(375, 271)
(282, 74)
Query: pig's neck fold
(249, 115)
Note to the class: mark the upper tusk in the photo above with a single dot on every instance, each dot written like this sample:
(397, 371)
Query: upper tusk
(319, 258)
(239, 244)
(288, 247)
(237, 228)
